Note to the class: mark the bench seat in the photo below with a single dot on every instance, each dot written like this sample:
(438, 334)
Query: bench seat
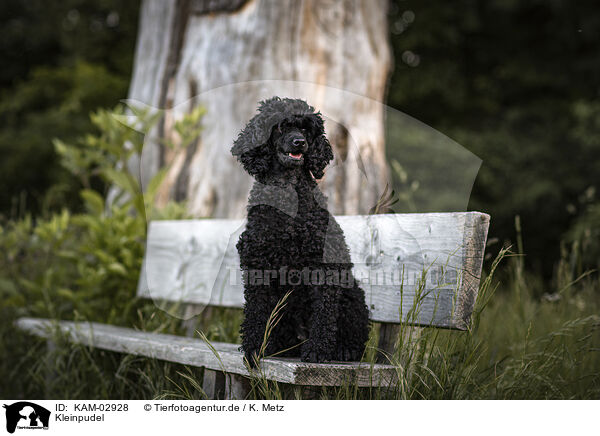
(225, 357)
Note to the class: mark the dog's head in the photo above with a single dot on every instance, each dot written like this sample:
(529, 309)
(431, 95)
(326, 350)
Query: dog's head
(286, 134)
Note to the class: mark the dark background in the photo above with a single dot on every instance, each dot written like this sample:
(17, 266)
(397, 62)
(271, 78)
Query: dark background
(515, 82)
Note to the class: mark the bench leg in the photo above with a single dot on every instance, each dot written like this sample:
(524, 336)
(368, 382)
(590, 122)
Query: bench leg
(311, 392)
(388, 338)
(213, 384)
(237, 387)
(191, 317)
(300, 392)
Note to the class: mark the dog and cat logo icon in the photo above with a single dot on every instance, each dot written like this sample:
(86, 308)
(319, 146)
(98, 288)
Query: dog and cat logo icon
(26, 415)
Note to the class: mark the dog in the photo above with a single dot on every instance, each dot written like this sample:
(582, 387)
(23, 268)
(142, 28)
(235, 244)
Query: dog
(296, 266)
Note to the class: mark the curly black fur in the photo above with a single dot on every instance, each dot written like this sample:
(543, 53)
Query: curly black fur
(292, 243)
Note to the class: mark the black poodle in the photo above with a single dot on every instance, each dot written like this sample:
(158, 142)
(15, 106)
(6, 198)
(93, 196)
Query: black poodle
(292, 244)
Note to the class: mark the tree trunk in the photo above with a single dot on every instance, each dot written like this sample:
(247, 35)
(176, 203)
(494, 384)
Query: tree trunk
(228, 55)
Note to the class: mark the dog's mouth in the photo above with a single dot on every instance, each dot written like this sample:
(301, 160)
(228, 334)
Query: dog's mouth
(291, 159)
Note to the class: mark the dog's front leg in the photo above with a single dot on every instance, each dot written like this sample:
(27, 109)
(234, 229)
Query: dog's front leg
(257, 310)
(320, 346)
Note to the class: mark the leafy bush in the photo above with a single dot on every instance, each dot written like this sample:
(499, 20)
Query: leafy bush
(86, 266)
(52, 102)
(60, 61)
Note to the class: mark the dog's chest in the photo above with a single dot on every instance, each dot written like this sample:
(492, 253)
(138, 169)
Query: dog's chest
(310, 225)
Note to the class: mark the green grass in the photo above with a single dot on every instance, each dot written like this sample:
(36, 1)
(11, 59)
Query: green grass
(519, 346)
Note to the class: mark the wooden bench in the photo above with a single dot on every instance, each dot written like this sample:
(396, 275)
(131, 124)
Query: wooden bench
(430, 260)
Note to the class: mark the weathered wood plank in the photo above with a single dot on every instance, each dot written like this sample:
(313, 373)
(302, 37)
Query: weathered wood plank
(213, 384)
(430, 261)
(388, 336)
(475, 237)
(237, 387)
(195, 352)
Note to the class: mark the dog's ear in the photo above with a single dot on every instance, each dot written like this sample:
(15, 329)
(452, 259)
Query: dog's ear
(257, 161)
(253, 147)
(319, 152)
(318, 156)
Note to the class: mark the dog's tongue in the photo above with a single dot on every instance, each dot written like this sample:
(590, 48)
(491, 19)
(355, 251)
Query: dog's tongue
(296, 155)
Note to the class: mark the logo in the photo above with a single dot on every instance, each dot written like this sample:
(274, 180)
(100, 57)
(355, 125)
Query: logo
(26, 415)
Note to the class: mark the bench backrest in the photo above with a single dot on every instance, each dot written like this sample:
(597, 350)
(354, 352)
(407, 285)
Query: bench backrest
(432, 260)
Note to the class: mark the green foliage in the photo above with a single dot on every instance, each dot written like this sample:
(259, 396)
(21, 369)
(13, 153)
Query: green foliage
(516, 84)
(517, 347)
(584, 234)
(40, 33)
(60, 61)
(106, 156)
(53, 102)
(86, 266)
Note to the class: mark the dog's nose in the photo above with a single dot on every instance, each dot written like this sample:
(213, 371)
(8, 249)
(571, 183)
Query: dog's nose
(299, 142)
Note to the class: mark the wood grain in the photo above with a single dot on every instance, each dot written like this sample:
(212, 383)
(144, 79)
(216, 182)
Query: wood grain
(228, 359)
(388, 336)
(237, 387)
(423, 269)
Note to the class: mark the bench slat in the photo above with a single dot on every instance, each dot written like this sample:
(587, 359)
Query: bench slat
(195, 261)
(195, 352)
